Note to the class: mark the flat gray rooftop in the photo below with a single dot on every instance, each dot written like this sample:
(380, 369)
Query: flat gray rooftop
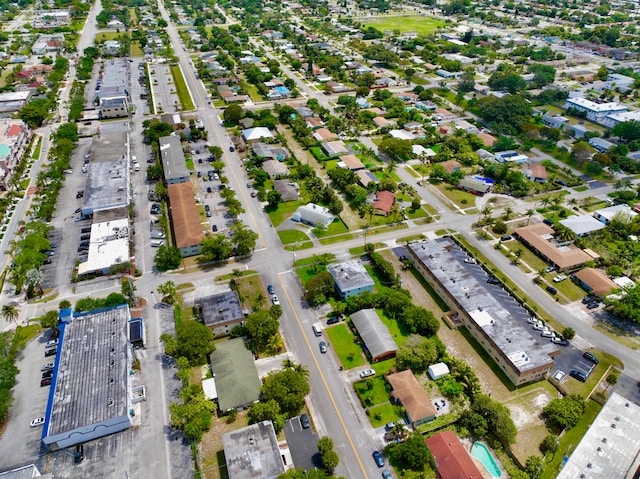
(92, 372)
(115, 79)
(500, 319)
(220, 308)
(252, 452)
(350, 274)
(107, 184)
(610, 447)
(173, 158)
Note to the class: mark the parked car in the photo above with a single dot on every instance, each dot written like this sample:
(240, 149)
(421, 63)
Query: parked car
(47, 374)
(51, 343)
(304, 421)
(39, 421)
(551, 290)
(493, 280)
(271, 289)
(45, 382)
(549, 269)
(590, 357)
(559, 278)
(214, 228)
(333, 320)
(231, 149)
(579, 375)
(547, 334)
(506, 238)
(559, 340)
(50, 352)
(389, 426)
(46, 367)
(377, 457)
(367, 372)
(588, 299)
(275, 300)
(593, 305)
(208, 189)
(78, 454)
(323, 347)
(386, 474)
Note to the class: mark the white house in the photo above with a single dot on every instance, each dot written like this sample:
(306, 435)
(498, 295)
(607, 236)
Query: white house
(596, 112)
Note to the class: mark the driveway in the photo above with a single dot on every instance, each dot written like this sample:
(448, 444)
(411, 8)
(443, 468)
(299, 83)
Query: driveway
(303, 444)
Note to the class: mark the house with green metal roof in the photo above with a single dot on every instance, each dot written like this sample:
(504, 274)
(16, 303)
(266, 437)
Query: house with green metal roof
(235, 383)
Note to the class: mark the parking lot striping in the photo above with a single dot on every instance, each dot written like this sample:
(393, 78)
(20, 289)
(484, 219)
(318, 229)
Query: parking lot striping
(324, 381)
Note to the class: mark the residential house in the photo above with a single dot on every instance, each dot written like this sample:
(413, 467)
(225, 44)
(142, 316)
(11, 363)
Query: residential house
(594, 282)
(582, 225)
(577, 131)
(556, 121)
(352, 162)
(510, 156)
(288, 190)
(256, 134)
(601, 144)
(313, 215)
(314, 123)
(466, 126)
(111, 47)
(596, 112)
(220, 312)
(622, 212)
(450, 166)
(487, 139)
(185, 220)
(334, 148)
(351, 278)
(403, 135)
(375, 335)
(383, 203)
(440, 114)
(539, 237)
(381, 122)
(474, 185)
(365, 177)
(536, 172)
(419, 150)
(270, 152)
(47, 43)
(324, 134)
(275, 168)
(414, 127)
(613, 119)
(450, 458)
(407, 392)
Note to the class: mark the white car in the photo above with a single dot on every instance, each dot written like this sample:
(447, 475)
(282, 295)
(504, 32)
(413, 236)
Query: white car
(539, 326)
(51, 343)
(367, 372)
(275, 300)
(547, 334)
(559, 278)
(47, 367)
(39, 421)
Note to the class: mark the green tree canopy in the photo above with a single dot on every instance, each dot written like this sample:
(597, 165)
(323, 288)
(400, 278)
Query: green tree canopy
(194, 341)
(564, 413)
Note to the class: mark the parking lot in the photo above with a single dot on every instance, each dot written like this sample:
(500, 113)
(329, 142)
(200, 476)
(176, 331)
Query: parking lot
(164, 90)
(303, 444)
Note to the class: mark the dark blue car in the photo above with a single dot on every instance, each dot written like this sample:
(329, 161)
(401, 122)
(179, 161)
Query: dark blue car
(378, 458)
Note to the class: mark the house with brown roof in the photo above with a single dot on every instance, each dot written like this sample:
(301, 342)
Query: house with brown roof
(487, 139)
(324, 134)
(185, 220)
(451, 165)
(594, 282)
(536, 172)
(314, 123)
(381, 121)
(384, 202)
(539, 237)
(450, 458)
(334, 148)
(365, 177)
(407, 391)
(351, 162)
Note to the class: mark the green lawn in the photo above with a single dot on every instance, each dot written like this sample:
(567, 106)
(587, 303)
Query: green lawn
(372, 391)
(299, 246)
(381, 415)
(399, 336)
(292, 236)
(283, 211)
(413, 23)
(345, 346)
(461, 198)
(189, 162)
(415, 214)
(384, 367)
(309, 261)
(581, 188)
(104, 36)
(181, 88)
(336, 239)
(570, 440)
(336, 228)
(36, 150)
(305, 273)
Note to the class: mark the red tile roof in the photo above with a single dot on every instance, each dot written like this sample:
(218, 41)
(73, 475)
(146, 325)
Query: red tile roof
(384, 201)
(14, 130)
(452, 459)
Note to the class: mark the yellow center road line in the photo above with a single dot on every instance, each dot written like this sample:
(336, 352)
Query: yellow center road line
(324, 381)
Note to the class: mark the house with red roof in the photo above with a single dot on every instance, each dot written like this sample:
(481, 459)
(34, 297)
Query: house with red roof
(451, 459)
(384, 202)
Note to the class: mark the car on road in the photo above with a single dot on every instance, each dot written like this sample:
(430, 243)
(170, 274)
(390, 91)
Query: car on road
(214, 228)
(253, 194)
(323, 347)
(39, 421)
(377, 457)
(304, 421)
(232, 149)
(579, 375)
(367, 372)
(271, 289)
(386, 474)
(590, 357)
(208, 189)
(275, 300)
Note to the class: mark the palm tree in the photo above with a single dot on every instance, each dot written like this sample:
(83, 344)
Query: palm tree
(545, 202)
(260, 300)
(168, 291)
(10, 312)
(557, 201)
(627, 184)
(299, 368)
(486, 212)
(506, 214)
(617, 185)
(530, 212)
(564, 234)
(35, 278)
(275, 344)
(517, 254)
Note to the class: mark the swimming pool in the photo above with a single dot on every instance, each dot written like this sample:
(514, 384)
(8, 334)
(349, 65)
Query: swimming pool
(481, 452)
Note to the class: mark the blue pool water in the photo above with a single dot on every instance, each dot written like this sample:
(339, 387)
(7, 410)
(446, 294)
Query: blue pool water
(481, 452)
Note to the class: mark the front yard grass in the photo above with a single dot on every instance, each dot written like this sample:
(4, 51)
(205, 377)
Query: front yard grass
(292, 236)
(336, 228)
(250, 290)
(305, 273)
(283, 211)
(372, 391)
(336, 239)
(381, 415)
(460, 198)
(344, 344)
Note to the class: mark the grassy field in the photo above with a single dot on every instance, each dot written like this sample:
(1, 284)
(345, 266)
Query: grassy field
(136, 50)
(292, 236)
(36, 150)
(381, 415)
(345, 346)
(181, 88)
(104, 36)
(335, 228)
(283, 211)
(305, 273)
(372, 391)
(412, 23)
(462, 199)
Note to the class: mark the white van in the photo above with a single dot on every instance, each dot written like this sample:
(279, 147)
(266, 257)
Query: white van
(157, 243)
(136, 167)
(317, 329)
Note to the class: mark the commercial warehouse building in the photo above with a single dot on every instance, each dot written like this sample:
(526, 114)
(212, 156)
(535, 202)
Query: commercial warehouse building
(108, 243)
(497, 324)
(253, 452)
(90, 394)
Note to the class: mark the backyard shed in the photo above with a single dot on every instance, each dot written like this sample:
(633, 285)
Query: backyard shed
(436, 371)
